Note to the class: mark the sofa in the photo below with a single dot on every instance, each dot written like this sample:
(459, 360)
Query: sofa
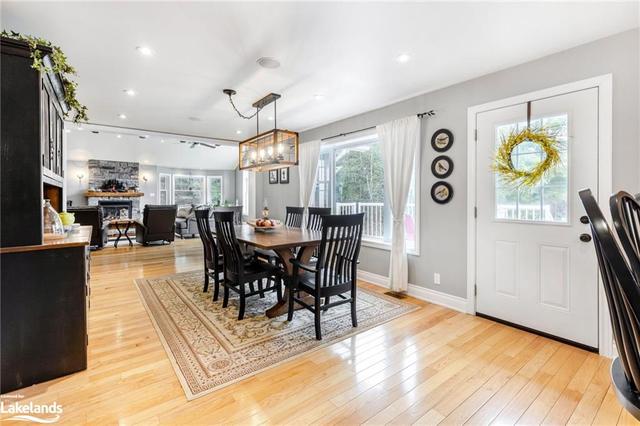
(92, 215)
(158, 224)
(186, 225)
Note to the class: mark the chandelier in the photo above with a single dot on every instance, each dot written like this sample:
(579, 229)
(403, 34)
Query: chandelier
(269, 150)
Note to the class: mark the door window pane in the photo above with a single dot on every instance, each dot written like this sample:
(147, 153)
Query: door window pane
(548, 201)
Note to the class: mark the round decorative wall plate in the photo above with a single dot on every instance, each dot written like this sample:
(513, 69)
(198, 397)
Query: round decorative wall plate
(441, 192)
(442, 166)
(442, 140)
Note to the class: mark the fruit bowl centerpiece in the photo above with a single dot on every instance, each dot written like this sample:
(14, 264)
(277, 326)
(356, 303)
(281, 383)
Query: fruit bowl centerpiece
(264, 225)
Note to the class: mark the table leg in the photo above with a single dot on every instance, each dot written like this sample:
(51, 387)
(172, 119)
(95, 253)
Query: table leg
(304, 254)
(126, 234)
(115, 244)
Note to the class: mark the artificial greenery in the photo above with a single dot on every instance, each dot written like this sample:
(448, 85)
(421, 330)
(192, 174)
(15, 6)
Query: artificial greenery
(503, 164)
(59, 66)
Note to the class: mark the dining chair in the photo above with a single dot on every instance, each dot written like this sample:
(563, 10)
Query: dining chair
(622, 292)
(314, 219)
(293, 217)
(240, 269)
(213, 262)
(335, 272)
(625, 211)
(237, 212)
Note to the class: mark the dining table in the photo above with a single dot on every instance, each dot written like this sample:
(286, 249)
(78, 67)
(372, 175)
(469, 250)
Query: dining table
(287, 243)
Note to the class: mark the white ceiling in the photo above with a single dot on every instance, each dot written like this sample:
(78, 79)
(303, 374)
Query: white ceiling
(120, 144)
(344, 51)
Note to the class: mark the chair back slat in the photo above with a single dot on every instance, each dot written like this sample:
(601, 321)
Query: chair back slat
(314, 219)
(294, 216)
(621, 289)
(625, 211)
(203, 217)
(226, 236)
(339, 249)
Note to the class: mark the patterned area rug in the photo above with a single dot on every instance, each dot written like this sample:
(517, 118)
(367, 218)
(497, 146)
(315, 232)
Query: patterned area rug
(209, 348)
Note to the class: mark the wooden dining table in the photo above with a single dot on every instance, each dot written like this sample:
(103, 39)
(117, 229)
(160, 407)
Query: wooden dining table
(284, 241)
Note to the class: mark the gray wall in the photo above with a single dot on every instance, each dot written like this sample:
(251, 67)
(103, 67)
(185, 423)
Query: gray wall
(443, 228)
(76, 189)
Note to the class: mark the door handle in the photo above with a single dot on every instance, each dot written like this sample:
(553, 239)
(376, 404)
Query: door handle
(585, 238)
(584, 219)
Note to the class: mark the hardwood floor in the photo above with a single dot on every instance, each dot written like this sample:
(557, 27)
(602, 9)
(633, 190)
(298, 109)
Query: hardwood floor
(431, 366)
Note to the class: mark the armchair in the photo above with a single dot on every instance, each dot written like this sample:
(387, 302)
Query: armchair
(158, 224)
(92, 215)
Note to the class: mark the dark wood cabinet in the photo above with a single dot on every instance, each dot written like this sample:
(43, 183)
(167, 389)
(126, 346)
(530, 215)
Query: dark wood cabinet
(32, 148)
(44, 286)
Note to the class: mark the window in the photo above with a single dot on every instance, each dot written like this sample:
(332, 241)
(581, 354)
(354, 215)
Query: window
(214, 190)
(188, 189)
(350, 179)
(246, 192)
(164, 188)
(547, 201)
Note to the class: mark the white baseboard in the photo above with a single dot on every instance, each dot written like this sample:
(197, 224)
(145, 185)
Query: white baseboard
(439, 298)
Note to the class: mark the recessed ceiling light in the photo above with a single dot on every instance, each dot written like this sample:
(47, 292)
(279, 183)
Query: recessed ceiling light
(143, 136)
(130, 92)
(67, 130)
(403, 58)
(270, 118)
(318, 96)
(80, 127)
(119, 136)
(161, 140)
(144, 50)
(267, 62)
(238, 132)
(122, 116)
(95, 132)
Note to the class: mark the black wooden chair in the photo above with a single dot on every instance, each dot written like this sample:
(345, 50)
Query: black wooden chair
(622, 291)
(625, 211)
(293, 217)
(240, 270)
(213, 263)
(335, 272)
(314, 219)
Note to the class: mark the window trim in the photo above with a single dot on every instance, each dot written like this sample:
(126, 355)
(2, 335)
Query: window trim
(221, 177)
(173, 184)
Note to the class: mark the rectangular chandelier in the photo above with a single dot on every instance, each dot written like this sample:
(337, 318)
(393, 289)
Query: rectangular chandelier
(270, 150)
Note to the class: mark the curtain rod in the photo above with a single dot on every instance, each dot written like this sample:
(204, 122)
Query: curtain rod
(429, 113)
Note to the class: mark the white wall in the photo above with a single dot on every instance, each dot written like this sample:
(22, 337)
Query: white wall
(443, 228)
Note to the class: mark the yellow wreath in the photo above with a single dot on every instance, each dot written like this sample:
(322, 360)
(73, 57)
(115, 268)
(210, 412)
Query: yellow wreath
(503, 164)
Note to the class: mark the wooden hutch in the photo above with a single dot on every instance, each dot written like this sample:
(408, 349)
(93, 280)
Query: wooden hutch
(44, 286)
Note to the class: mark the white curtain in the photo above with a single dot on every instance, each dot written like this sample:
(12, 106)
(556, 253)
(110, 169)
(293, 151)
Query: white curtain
(308, 167)
(400, 139)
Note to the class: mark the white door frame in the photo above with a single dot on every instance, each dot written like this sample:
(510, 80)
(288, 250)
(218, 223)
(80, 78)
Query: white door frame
(604, 83)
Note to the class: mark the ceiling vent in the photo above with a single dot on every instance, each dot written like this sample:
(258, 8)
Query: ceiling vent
(267, 62)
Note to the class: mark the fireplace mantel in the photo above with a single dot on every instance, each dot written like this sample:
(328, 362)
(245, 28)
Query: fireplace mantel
(98, 194)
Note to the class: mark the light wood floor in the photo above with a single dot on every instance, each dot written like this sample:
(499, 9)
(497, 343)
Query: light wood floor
(431, 366)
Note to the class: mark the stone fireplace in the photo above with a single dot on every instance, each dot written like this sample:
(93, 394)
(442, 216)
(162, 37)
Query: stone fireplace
(114, 186)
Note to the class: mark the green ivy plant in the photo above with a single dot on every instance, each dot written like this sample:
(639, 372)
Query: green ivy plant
(59, 66)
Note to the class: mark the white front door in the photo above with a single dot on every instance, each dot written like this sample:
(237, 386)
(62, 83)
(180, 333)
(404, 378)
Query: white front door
(532, 269)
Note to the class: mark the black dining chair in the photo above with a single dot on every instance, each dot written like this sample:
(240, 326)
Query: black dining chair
(625, 212)
(293, 217)
(213, 262)
(314, 219)
(622, 291)
(239, 269)
(335, 272)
